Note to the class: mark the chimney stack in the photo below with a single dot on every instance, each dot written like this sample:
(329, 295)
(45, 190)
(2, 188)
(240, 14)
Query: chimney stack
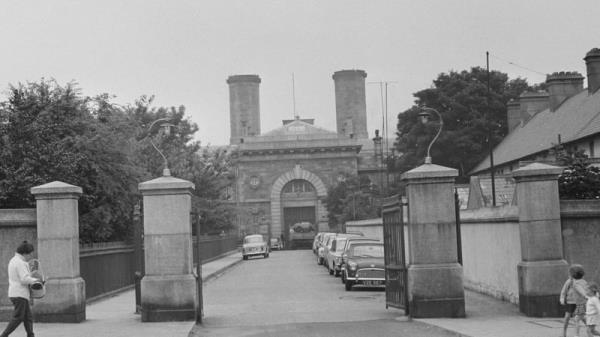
(350, 103)
(562, 85)
(592, 62)
(244, 107)
(513, 114)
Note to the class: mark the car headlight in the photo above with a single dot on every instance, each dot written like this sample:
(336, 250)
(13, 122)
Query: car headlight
(352, 265)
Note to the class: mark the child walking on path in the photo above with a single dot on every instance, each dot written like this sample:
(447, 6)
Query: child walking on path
(592, 310)
(574, 296)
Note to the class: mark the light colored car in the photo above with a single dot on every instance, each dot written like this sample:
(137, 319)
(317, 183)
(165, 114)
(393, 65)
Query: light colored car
(315, 245)
(321, 249)
(334, 254)
(276, 244)
(254, 245)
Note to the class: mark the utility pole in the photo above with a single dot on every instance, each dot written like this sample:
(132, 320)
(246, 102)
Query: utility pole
(383, 91)
(490, 147)
(294, 95)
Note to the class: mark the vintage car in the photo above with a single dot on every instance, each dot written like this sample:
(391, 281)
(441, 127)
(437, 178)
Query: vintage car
(276, 243)
(364, 265)
(316, 240)
(349, 242)
(321, 250)
(334, 253)
(254, 245)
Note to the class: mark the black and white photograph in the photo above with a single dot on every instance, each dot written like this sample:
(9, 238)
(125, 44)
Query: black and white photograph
(287, 168)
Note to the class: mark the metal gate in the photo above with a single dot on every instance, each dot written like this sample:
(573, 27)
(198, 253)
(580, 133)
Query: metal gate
(396, 291)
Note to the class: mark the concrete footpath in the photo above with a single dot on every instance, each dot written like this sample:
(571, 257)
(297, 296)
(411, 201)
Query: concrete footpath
(115, 317)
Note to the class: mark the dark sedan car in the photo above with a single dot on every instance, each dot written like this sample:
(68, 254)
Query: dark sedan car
(364, 265)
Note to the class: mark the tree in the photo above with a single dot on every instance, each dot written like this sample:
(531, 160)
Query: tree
(208, 168)
(352, 199)
(54, 133)
(462, 100)
(50, 132)
(579, 180)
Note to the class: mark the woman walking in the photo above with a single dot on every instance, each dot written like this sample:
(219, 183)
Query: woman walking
(19, 279)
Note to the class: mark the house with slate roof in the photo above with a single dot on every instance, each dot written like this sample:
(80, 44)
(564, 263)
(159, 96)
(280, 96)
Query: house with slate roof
(567, 114)
(282, 175)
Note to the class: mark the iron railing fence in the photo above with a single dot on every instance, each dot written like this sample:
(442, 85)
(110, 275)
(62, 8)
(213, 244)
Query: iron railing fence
(106, 267)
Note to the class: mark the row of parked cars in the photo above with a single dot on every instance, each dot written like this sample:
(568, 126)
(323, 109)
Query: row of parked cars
(356, 259)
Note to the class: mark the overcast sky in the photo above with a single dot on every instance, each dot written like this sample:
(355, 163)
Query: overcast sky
(183, 51)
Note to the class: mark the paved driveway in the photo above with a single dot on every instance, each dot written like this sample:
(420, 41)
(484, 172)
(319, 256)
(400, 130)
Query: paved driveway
(288, 294)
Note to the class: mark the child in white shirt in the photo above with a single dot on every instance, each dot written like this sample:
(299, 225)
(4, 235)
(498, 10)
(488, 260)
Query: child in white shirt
(592, 310)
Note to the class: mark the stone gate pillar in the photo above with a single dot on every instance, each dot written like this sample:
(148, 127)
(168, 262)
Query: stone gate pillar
(435, 279)
(58, 252)
(543, 269)
(168, 288)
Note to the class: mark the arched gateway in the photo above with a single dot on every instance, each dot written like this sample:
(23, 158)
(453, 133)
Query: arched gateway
(296, 197)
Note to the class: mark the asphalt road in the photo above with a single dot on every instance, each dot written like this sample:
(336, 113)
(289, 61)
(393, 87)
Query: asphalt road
(288, 294)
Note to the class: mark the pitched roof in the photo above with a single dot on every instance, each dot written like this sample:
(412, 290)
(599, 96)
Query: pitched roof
(295, 130)
(576, 118)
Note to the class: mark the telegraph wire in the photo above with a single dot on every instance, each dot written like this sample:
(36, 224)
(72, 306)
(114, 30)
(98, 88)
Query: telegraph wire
(517, 65)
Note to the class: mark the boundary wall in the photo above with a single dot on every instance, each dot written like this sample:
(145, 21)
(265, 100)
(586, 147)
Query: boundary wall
(491, 245)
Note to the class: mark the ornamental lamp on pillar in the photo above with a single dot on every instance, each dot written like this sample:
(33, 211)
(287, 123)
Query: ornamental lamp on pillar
(424, 116)
(165, 126)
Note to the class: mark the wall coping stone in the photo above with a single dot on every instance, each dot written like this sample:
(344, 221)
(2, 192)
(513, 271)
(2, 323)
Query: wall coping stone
(507, 213)
(579, 208)
(537, 169)
(429, 171)
(18, 217)
(166, 183)
(56, 187)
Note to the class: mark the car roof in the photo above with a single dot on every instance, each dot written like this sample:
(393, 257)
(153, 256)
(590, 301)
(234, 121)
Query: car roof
(253, 235)
(353, 239)
(367, 243)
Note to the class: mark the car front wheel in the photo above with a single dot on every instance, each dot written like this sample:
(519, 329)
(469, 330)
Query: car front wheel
(349, 285)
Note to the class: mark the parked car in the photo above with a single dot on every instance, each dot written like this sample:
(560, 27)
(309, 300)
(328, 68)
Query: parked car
(322, 246)
(254, 245)
(334, 254)
(364, 265)
(349, 242)
(316, 241)
(275, 243)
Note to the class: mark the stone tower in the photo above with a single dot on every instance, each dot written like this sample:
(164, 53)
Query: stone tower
(244, 107)
(350, 103)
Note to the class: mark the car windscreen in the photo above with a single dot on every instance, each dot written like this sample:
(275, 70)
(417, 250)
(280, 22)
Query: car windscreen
(253, 239)
(339, 245)
(367, 251)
